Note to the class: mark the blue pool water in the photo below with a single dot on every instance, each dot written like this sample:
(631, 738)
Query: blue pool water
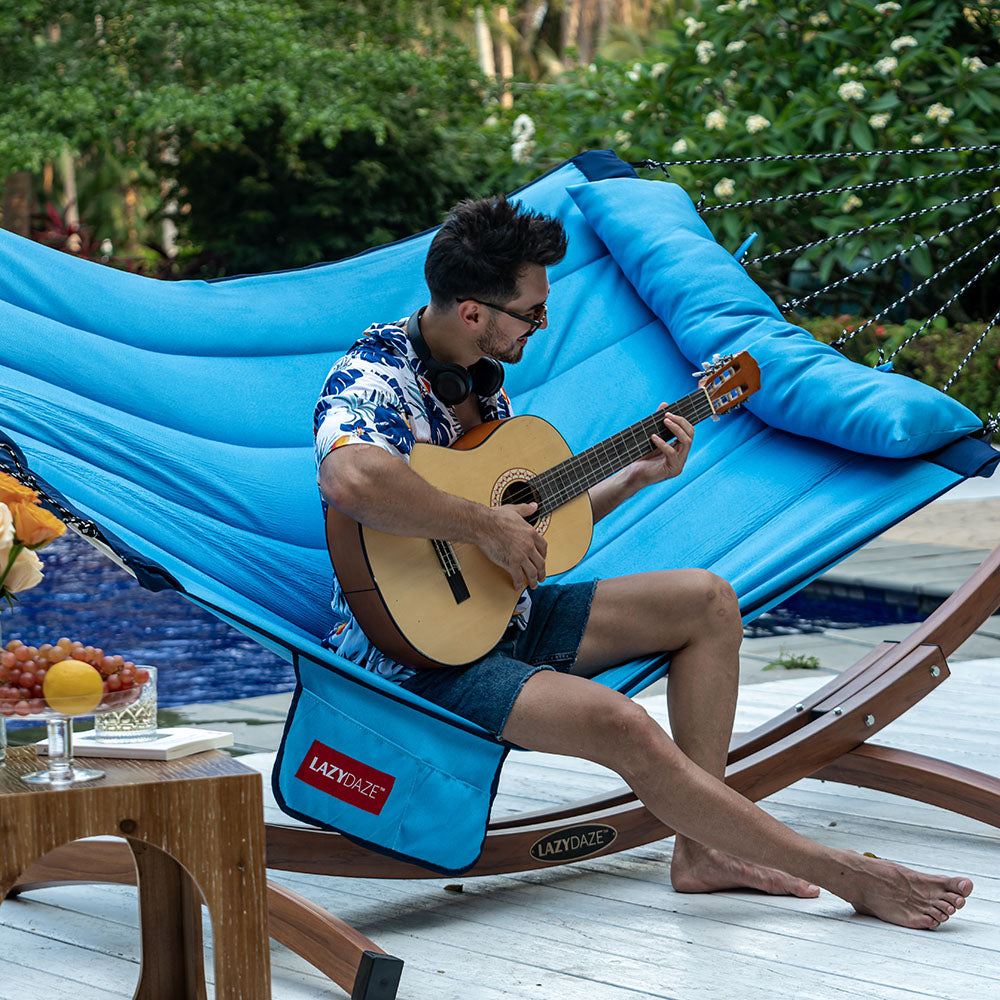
(87, 597)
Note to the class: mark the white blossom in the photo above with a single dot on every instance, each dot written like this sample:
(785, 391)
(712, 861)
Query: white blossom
(917, 140)
(851, 91)
(886, 65)
(820, 19)
(726, 188)
(887, 8)
(757, 123)
(845, 69)
(628, 117)
(633, 75)
(679, 147)
(704, 51)
(850, 203)
(658, 70)
(521, 150)
(903, 42)
(940, 113)
(744, 4)
(523, 127)
(879, 120)
(737, 46)
(973, 64)
(692, 26)
(715, 120)
(622, 138)
(723, 7)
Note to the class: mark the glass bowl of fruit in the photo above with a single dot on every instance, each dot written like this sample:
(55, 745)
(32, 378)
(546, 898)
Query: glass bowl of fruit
(57, 683)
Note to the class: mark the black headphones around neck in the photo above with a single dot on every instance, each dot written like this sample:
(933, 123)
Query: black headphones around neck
(451, 383)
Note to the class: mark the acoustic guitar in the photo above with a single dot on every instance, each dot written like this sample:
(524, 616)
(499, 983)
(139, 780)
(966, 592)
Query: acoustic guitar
(435, 603)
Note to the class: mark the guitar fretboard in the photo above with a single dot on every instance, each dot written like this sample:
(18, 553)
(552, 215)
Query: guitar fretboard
(570, 478)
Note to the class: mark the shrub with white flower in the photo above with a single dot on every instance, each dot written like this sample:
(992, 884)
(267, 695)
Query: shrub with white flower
(845, 69)
(522, 131)
(715, 120)
(851, 91)
(692, 26)
(850, 203)
(820, 19)
(723, 7)
(737, 46)
(973, 64)
(886, 65)
(879, 120)
(940, 113)
(726, 188)
(903, 42)
(658, 70)
(757, 123)
(887, 8)
(523, 127)
(918, 139)
(704, 51)
(679, 147)
(744, 4)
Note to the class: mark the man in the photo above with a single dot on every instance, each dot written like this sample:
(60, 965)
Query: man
(486, 271)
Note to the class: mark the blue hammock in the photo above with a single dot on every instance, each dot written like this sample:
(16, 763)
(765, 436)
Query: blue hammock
(177, 417)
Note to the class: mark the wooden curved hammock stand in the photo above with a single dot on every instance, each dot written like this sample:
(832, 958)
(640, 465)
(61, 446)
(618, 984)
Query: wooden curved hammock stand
(823, 737)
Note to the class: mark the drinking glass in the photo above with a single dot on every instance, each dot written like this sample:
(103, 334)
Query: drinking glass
(134, 723)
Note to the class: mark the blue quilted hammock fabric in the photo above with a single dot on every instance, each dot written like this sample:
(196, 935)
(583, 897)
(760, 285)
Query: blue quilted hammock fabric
(177, 416)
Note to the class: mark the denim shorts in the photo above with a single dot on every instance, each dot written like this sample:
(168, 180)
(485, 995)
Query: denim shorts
(484, 691)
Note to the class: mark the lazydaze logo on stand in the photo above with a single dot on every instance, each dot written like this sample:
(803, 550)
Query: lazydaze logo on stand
(345, 778)
(573, 842)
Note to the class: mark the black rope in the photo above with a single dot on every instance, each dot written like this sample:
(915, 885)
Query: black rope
(975, 347)
(920, 151)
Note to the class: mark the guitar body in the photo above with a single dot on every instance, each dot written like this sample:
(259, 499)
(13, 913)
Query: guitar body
(396, 586)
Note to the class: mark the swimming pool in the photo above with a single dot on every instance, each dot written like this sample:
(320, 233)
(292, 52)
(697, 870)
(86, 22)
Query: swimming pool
(87, 597)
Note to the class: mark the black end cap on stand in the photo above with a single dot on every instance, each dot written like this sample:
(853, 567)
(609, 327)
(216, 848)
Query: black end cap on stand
(378, 977)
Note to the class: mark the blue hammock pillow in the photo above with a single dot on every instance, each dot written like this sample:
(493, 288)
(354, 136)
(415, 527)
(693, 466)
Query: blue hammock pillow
(711, 306)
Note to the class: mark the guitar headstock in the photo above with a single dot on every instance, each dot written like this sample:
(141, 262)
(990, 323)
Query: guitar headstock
(729, 379)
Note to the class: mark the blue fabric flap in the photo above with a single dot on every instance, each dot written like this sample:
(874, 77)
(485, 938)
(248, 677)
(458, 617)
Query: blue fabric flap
(711, 306)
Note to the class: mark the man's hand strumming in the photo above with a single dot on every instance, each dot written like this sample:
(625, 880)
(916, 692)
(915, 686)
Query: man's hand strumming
(513, 544)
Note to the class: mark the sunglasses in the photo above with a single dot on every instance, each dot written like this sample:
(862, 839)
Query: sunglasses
(538, 315)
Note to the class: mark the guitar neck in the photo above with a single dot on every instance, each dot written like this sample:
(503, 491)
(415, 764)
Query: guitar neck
(577, 474)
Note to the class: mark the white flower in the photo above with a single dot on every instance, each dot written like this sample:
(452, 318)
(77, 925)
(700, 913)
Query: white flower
(658, 70)
(973, 64)
(692, 26)
(917, 140)
(622, 138)
(887, 8)
(844, 69)
(679, 147)
(903, 42)
(6, 535)
(726, 188)
(878, 120)
(25, 573)
(523, 127)
(940, 113)
(521, 150)
(743, 4)
(851, 202)
(715, 120)
(851, 91)
(723, 7)
(704, 50)
(633, 75)
(820, 19)
(491, 121)
(737, 46)
(886, 65)
(757, 123)
(628, 117)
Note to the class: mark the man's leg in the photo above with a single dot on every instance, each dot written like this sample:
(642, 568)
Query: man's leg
(692, 611)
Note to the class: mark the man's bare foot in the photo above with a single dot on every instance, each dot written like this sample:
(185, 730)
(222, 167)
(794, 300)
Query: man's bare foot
(699, 869)
(900, 895)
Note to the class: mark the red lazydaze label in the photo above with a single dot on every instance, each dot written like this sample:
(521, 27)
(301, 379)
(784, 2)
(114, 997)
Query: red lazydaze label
(345, 778)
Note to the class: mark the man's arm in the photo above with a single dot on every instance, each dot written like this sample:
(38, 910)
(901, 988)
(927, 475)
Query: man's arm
(381, 491)
(665, 462)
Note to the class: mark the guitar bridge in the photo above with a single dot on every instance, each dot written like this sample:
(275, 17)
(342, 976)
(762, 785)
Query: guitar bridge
(452, 570)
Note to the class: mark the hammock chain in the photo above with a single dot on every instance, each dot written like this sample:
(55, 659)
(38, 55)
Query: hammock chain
(26, 477)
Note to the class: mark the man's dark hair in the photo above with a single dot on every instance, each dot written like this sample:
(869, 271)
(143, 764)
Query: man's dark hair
(484, 245)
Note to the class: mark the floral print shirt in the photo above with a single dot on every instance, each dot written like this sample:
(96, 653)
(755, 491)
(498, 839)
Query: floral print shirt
(380, 393)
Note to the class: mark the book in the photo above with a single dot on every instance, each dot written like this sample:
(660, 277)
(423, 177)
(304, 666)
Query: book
(167, 744)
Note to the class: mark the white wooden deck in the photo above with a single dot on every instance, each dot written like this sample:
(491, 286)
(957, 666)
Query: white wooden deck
(612, 929)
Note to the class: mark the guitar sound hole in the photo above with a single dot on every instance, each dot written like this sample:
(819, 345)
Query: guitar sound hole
(521, 492)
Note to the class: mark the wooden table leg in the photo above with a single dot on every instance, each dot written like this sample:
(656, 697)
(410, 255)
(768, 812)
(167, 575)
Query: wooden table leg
(173, 967)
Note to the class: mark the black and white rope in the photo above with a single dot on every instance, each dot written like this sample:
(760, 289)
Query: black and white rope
(972, 350)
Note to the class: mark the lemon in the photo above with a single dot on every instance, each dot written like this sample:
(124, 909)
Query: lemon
(72, 687)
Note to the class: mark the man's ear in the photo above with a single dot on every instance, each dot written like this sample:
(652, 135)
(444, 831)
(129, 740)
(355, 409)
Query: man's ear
(471, 313)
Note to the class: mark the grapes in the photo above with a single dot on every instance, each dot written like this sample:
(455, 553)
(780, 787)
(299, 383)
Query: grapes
(23, 669)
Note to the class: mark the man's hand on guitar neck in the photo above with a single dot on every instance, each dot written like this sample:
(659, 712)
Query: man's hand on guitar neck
(383, 492)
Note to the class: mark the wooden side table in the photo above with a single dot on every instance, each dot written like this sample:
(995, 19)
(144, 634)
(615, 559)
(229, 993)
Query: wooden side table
(195, 827)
